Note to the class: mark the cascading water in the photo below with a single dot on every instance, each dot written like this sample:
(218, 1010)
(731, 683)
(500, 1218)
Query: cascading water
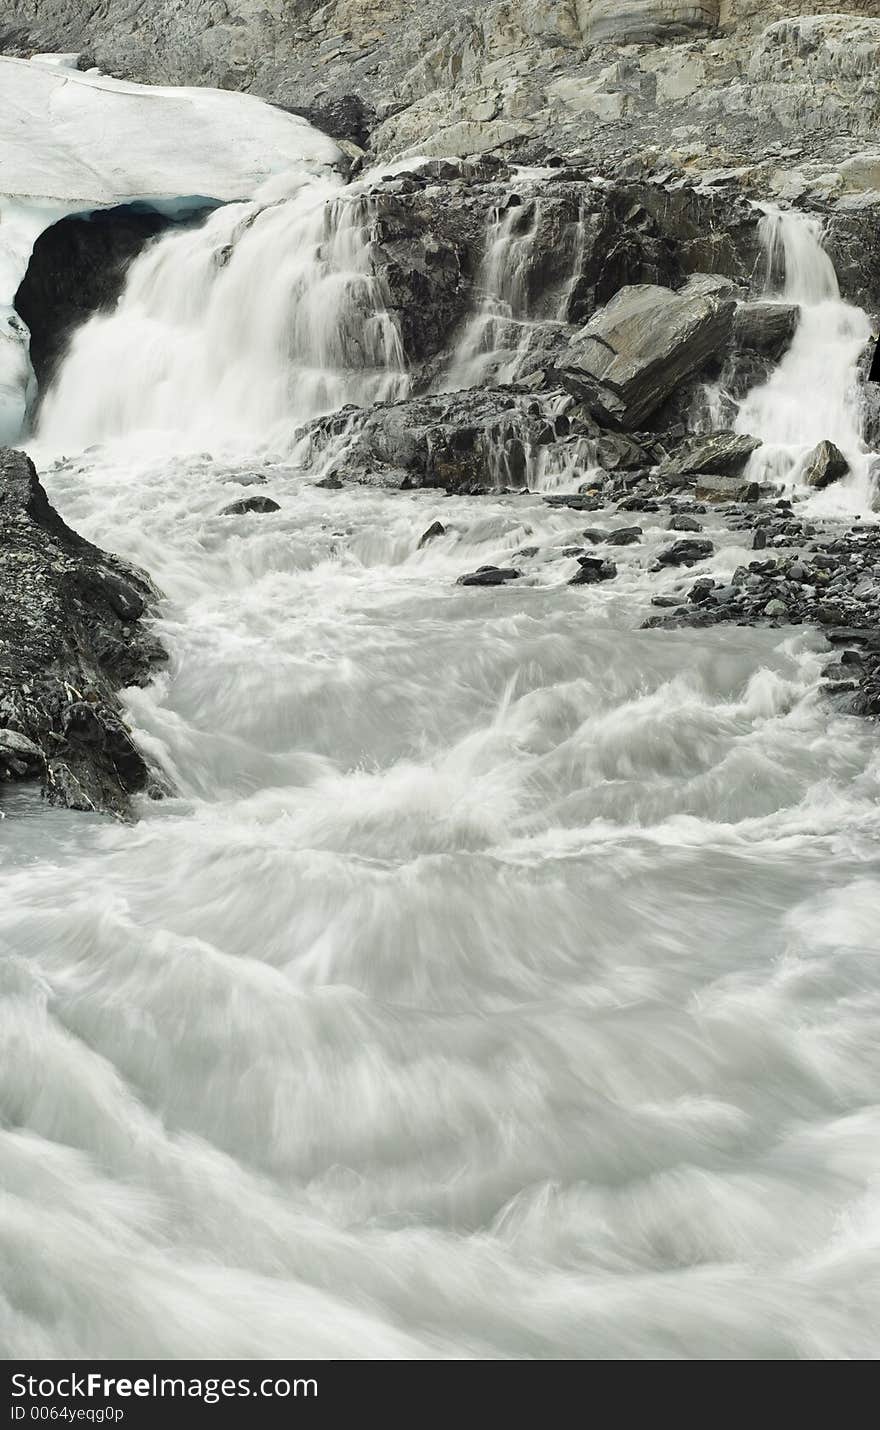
(500, 980)
(266, 315)
(499, 335)
(813, 394)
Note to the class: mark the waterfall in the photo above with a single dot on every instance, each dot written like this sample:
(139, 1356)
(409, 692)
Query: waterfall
(262, 318)
(813, 394)
(502, 329)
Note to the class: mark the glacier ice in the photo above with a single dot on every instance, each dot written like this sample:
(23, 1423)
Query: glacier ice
(74, 143)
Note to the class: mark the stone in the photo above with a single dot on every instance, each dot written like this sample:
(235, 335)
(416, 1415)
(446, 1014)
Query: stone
(824, 465)
(723, 454)
(637, 350)
(624, 536)
(683, 522)
(593, 569)
(686, 552)
(726, 489)
(250, 504)
(434, 530)
(765, 328)
(776, 608)
(19, 756)
(489, 576)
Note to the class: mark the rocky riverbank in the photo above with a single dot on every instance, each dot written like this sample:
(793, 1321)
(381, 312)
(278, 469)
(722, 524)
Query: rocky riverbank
(71, 637)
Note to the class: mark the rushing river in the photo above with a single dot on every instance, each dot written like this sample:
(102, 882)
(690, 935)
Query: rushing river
(500, 980)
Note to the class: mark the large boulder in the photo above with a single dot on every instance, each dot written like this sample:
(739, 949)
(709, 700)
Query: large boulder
(633, 354)
(724, 454)
(70, 638)
(824, 465)
(765, 327)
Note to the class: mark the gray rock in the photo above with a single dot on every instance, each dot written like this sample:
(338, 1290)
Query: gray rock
(686, 552)
(593, 569)
(825, 464)
(19, 756)
(714, 489)
(634, 353)
(489, 576)
(684, 523)
(765, 328)
(250, 504)
(776, 608)
(434, 530)
(624, 536)
(723, 454)
(70, 638)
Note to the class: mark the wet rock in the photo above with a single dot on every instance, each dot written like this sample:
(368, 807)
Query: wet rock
(593, 569)
(717, 489)
(19, 756)
(472, 441)
(250, 504)
(775, 608)
(70, 638)
(638, 503)
(489, 576)
(624, 536)
(825, 464)
(765, 328)
(637, 350)
(683, 522)
(434, 530)
(723, 454)
(577, 501)
(686, 553)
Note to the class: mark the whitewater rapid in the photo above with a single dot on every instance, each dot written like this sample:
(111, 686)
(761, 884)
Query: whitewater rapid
(499, 979)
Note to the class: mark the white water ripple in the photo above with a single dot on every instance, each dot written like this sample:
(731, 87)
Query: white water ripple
(502, 981)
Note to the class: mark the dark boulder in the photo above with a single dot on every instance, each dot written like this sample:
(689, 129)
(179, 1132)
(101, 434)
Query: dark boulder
(635, 352)
(434, 530)
(825, 464)
(250, 504)
(592, 570)
(489, 576)
(686, 552)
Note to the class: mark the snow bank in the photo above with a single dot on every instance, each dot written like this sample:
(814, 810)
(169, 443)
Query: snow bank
(73, 143)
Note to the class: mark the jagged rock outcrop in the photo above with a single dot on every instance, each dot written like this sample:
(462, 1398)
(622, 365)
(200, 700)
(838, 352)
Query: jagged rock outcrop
(636, 351)
(71, 636)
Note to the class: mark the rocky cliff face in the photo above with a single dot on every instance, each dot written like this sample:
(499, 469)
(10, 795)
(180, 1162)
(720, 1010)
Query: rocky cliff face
(705, 77)
(70, 638)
